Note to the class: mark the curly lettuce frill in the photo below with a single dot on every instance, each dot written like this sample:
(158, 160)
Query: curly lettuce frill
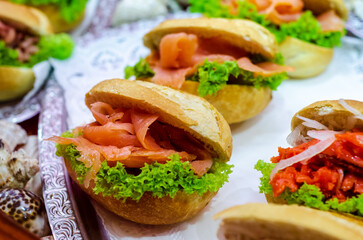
(306, 28)
(159, 179)
(70, 10)
(213, 76)
(59, 46)
(309, 195)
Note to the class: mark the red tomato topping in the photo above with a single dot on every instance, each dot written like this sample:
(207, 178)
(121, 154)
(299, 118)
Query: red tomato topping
(337, 171)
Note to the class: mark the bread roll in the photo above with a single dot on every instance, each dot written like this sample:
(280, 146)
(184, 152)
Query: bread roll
(309, 59)
(57, 21)
(15, 82)
(237, 103)
(333, 115)
(185, 111)
(286, 222)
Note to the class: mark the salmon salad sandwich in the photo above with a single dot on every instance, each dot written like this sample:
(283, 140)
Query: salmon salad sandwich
(153, 155)
(26, 38)
(306, 30)
(63, 15)
(323, 168)
(234, 64)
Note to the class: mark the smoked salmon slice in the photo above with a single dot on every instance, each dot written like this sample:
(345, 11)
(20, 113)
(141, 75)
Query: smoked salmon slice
(330, 22)
(125, 137)
(177, 50)
(171, 66)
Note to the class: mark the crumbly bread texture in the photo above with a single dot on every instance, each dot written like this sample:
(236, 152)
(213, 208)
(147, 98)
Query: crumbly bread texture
(245, 34)
(308, 59)
(330, 113)
(15, 82)
(56, 20)
(321, 6)
(285, 222)
(24, 17)
(185, 111)
(236, 103)
(150, 210)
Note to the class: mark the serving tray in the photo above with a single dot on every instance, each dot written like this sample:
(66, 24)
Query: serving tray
(102, 54)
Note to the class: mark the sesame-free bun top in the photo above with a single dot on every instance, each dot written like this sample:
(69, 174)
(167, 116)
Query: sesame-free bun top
(193, 114)
(26, 18)
(245, 34)
(321, 6)
(330, 113)
(270, 221)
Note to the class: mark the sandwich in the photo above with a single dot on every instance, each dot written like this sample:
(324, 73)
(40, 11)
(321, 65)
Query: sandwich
(233, 64)
(306, 30)
(257, 221)
(63, 15)
(26, 38)
(153, 155)
(323, 168)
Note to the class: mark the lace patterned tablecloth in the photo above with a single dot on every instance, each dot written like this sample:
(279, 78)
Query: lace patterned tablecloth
(105, 56)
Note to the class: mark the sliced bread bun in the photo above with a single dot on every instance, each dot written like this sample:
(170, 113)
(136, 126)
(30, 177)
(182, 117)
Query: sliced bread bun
(15, 82)
(286, 222)
(245, 34)
(191, 113)
(150, 210)
(321, 6)
(236, 102)
(26, 18)
(56, 20)
(329, 113)
(185, 111)
(310, 59)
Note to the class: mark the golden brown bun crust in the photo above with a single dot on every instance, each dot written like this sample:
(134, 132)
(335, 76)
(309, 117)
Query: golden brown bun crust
(330, 113)
(308, 59)
(285, 222)
(28, 18)
(182, 110)
(245, 34)
(15, 82)
(150, 210)
(321, 6)
(56, 20)
(236, 103)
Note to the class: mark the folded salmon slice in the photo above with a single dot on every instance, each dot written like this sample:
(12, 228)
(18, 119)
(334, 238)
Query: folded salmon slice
(330, 22)
(281, 11)
(125, 137)
(181, 54)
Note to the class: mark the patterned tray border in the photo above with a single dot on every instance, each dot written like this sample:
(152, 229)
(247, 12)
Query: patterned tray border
(57, 199)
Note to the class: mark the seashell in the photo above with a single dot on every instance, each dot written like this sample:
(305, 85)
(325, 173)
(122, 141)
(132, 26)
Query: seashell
(31, 147)
(16, 168)
(11, 135)
(25, 208)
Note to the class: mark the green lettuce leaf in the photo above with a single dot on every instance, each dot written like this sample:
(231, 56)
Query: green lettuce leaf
(70, 10)
(59, 46)
(160, 179)
(140, 70)
(8, 56)
(309, 195)
(306, 28)
(212, 76)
